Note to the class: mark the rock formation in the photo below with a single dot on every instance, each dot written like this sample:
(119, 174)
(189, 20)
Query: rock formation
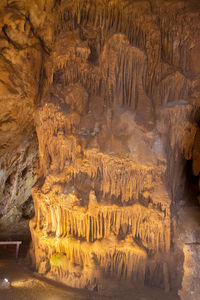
(114, 93)
(20, 64)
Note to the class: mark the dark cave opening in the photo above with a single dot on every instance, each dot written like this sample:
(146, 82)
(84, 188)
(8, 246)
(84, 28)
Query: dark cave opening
(191, 185)
(28, 209)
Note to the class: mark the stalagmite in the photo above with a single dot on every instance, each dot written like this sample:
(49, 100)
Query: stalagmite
(116, 117)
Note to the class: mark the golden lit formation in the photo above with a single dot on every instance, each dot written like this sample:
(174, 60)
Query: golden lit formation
(100, 130)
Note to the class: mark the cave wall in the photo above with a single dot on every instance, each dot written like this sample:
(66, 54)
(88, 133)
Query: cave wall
(112, 90)
(20, 65)
(18, 175)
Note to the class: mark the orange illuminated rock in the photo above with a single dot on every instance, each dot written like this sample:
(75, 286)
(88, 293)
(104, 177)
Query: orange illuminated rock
(112, 89)
(114, 126)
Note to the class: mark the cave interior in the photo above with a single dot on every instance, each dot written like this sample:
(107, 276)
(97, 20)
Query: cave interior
(100, 142)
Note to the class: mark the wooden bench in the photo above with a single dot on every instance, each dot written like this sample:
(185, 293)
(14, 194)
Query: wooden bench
(17, 243)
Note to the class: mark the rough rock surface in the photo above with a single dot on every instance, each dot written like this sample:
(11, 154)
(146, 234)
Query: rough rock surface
(188, 240)
(115, 97)
(18, 175)
(20, 67)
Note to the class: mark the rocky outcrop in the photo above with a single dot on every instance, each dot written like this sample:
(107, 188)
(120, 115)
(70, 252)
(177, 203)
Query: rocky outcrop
(115, 101)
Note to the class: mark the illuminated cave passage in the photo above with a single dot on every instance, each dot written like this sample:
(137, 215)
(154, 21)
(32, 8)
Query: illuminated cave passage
(100, 144)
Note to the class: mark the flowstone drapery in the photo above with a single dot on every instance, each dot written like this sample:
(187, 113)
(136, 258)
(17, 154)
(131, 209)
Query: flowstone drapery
(112, 89)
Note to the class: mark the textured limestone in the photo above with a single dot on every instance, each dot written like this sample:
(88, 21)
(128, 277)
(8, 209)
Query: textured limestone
(18, 175)
(114, 90)
(191, 283)
(189, 241)
(116, 123)
(20, 66)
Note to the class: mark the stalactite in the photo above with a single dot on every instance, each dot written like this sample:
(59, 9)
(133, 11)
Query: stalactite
(101, 221)
(106, 208)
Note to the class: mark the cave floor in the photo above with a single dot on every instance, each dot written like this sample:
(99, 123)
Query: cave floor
(26, 285)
